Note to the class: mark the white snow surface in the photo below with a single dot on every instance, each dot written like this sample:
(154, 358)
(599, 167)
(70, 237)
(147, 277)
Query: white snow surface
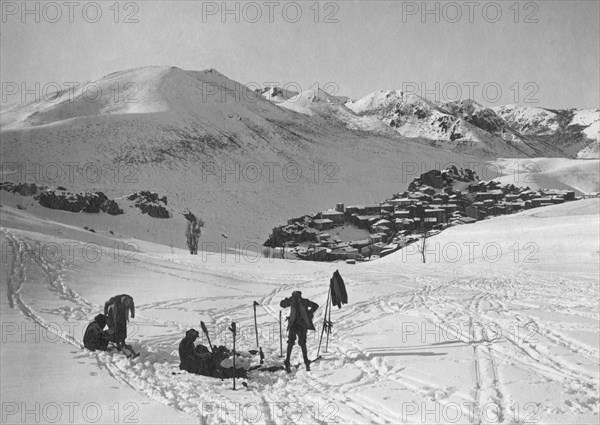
(580, 175)
(500, 325)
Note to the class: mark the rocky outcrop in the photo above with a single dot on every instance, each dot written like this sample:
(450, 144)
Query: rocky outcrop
(150, 203)
(298, 232)
(440, 179)
(24, 189)
(88, 202)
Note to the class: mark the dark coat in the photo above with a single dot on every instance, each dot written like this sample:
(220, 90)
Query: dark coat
(195, 359)
(187, 355)
(301, 313)
(339, 295)
(95, 338)
(117, 315)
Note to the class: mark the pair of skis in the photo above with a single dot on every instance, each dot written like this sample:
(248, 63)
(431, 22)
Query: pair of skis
(233, 329)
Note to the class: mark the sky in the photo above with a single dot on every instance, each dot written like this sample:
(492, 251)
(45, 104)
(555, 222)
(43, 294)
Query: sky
(536, 53)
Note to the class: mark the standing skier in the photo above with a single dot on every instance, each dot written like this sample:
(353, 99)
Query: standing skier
(117, 313)
(299, 322)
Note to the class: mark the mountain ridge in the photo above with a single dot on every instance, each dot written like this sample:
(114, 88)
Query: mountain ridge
(213, 146)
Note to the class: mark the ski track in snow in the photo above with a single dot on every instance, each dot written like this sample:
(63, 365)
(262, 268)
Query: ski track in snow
(505, 300)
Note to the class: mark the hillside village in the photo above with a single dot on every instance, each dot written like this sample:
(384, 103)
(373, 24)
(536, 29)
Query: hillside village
(433, 202)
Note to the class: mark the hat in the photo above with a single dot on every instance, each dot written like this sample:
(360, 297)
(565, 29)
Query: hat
(296, 294)
(192, 333)
(100, 319)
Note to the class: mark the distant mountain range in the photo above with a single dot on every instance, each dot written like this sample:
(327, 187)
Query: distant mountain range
(469, 127)
(241, 162)
(230, 153)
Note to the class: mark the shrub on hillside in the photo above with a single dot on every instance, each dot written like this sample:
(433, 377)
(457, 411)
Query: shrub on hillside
(192, 234)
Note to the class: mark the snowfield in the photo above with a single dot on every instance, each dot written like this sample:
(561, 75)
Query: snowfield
(500, 325)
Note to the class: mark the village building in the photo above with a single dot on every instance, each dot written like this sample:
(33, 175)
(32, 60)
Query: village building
(448, 208)
(343, 253)
(376, 237)
(336, 217)
(360, 243)
(351, 210)
(527, 194)
(539, 201)
(373, 249)
(298, 220)
(402, 202)
(401, 214)
(437, 213)
(393, 223)
(475, 212)
(404, 224)
(323, 224)
(316, 254)
(382, 229)
(369, 209)
(493, 195)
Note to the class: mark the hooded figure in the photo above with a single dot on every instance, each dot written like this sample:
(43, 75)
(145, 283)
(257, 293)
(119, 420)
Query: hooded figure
(95, 337)
(117, 313)
(299, 322)
(195, 359)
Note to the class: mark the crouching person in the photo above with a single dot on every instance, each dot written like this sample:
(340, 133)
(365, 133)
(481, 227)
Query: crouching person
(199, 360)
(194, 359)
(95, 337)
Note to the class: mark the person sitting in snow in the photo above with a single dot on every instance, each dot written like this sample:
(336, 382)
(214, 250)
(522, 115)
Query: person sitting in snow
(199, 360)
(95, 337)
(299, 322)
(117, 313)
(194, 359)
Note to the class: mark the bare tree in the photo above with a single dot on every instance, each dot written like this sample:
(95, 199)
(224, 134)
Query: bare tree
(192, 234)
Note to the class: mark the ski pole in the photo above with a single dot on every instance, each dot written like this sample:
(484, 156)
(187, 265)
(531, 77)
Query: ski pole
(280, 336)
(329, 325)
(255, 325)
(206, 333)
(324, 321)
(233, 330)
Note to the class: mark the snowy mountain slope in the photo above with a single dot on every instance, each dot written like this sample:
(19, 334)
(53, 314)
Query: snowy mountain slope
(321, 105)
(582, 176)
(466, 126)
(277, 94)
(576, 131)
(476, 338)
(312, 100)
(450, 125)
(209, 144)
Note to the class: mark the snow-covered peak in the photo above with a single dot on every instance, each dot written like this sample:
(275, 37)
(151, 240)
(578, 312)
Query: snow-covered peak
(277, 94)
(384, 101)
(313, 101)
(529, 120)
